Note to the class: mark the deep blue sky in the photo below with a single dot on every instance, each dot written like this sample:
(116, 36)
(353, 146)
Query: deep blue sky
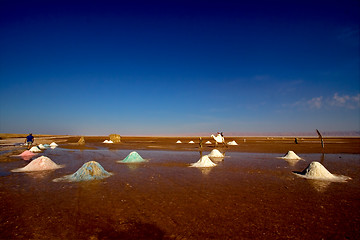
(178, 67)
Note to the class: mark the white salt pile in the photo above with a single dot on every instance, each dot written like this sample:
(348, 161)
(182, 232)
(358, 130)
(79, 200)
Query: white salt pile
(204, 161)
(53, 145)
(208, 142)
(89, 171)
(178, 141)
(216, 153)
(191, 141)
(291, 155)
(35, 149)
(39, 164)
(316, 170)
(108, 141)
(232, 143)
(133, 157)
(42, 147)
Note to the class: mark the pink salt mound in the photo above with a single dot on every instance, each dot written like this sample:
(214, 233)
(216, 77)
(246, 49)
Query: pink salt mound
(39, 164)
(27, 153)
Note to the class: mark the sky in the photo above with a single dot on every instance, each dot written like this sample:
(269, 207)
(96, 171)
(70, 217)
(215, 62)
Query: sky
(178, 67)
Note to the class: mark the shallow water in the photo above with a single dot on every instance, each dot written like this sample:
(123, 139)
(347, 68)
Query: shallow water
(247, 195)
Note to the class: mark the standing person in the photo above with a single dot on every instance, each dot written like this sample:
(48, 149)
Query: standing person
(29, 140)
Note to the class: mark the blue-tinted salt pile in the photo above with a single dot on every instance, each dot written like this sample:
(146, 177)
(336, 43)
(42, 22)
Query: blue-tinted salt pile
(89, 171)
(133, 157)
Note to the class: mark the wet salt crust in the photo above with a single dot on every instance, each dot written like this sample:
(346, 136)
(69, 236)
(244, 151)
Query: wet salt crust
(291, 155)
(89, 171)
(316, 170)
(204, 161)
(39, 164)
(133, 157)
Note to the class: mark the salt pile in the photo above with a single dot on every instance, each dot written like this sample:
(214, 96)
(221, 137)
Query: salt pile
(89, 171)
(191, 142)
(39, 164)
(133, 157)
(291, 155)
(216, 153)
(26, 155)
(35, 149)
(208, 142)
(42, 147)
(178, 141)
(316, 170)
(46, 145)
(232, 143)
(53, 145)
(108, 141)
(204, 161)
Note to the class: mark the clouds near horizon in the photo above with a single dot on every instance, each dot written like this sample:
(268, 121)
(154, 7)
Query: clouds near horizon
(345, 101)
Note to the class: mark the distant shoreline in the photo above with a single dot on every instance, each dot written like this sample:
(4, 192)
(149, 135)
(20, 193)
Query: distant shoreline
(264, 144)
(17, 135)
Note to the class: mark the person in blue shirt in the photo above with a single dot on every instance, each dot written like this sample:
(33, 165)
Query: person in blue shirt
(29, 140)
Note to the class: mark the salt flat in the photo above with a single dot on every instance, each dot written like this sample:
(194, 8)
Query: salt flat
(245, 196)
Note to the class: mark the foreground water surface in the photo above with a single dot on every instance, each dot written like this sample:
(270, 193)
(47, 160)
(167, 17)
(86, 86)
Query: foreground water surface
(246, 196)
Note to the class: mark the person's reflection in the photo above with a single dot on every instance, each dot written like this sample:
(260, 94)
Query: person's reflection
(322, 158)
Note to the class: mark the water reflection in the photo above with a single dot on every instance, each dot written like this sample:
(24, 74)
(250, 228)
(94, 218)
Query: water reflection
(319, 185)
(26, 158)
(205, 170)
(39, 174)
(292, 162)
(133, 166)
(322, 158)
